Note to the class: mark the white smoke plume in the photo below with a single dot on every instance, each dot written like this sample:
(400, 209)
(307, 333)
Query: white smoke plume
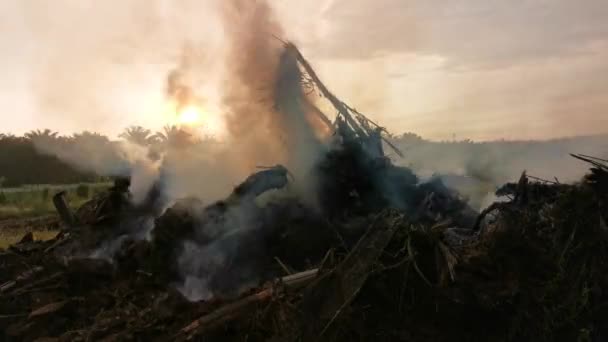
(477, 169)
(96, 154)
(213, 260)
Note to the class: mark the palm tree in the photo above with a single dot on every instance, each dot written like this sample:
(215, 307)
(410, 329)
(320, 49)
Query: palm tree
(8, 136)
(409, 137)
(89, 135)
(41, 135)
(174, 136)
(138, 135)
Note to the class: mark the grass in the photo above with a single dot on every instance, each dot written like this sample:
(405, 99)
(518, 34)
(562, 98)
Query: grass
(35, 201)
(32, 201)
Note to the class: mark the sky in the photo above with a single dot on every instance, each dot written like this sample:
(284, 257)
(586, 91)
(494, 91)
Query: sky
(477, 69)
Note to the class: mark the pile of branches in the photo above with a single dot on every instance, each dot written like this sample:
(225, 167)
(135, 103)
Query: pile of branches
(533, 269)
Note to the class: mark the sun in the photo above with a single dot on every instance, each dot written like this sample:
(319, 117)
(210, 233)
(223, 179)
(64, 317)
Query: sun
(190, 116)
(210, 122)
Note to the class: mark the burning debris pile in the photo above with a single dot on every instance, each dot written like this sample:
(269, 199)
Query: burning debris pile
(375, 255)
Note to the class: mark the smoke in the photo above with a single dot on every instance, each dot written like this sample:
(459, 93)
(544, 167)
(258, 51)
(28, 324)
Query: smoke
(178, 86)
(108, 250)
(251, 62)
(267, 110)
(133, 229)
(208, 170)
(248, 77)
(95, 153)
(144, 175)
(112, 69)
(221, 259)
(269, 121)
(477, 169)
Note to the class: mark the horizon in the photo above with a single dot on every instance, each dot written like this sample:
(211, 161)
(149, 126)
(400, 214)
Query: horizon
(394, 135)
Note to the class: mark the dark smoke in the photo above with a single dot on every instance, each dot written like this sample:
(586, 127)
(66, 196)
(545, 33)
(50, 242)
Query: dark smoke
(179, 84)
(268, 123)
(267, 108)
(252, 59)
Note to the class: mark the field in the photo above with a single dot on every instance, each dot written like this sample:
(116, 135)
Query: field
(36, 200)
(30, 208)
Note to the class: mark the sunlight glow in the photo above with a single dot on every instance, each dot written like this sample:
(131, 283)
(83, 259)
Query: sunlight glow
(190, 115)
(197, 117)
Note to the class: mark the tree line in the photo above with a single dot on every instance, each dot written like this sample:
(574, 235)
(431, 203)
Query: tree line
(21, 163)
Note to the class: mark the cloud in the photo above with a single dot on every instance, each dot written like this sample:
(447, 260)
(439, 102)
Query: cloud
(479, 69)
(468, 33)
(537, 99)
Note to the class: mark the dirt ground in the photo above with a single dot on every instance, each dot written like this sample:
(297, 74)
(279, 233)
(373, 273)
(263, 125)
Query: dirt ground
(13, 229)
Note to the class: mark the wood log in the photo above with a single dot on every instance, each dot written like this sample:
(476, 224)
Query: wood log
(62, 208)
(23, 277)
(230, 311)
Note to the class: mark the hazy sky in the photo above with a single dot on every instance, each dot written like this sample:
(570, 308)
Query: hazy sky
(479, 69)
